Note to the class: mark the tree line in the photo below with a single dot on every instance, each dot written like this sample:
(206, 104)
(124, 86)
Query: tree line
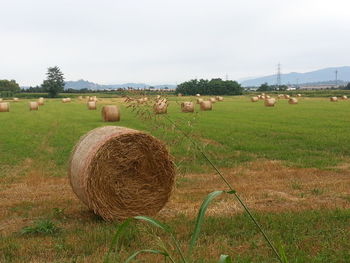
(209, 87)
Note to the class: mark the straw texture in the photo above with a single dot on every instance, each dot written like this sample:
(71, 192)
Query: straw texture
(119, 172)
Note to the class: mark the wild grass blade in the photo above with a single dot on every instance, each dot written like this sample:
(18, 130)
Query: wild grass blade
(116, 244)
(225, 259)
(152, 251)
(154, 222)
(200, 217)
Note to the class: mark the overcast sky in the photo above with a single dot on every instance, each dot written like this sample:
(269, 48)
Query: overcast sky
(162, 41)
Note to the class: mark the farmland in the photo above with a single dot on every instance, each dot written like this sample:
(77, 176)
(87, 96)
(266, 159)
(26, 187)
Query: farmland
(290, 163)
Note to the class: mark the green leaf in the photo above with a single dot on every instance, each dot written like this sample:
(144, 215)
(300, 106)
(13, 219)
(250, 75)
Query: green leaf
(116, 244)
(152, 251)
(225, 259)
(231, 192)
(200, 217)
(154, 222)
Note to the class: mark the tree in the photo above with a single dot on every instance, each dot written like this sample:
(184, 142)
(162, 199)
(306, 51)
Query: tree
(347, 86)
(264, 87)
(212, 87)
(54, 83)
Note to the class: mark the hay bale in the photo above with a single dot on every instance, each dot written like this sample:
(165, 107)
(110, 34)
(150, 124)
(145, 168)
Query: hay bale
(270, 102)
(267, 97)
(298, 95)
(80, 97)
(262, 97)
(293, 101)
(212, 100)
(254, 99)
(160, 107)
(334, 99)
(15, 99)
(344, 97)
(41, 101)
(0, 99)
(219, 98)
(179, 95)
(33, 105)
(64, 100)
(198, 95)
(110, 113)
(286, 96)
(206, 105)
(119, 173)
(280, 96)
(91, 105)
(199, 101)
(158, 97)
(187, 106)
(4, 107)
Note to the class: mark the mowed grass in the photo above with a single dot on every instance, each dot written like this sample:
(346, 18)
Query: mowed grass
(312, 134)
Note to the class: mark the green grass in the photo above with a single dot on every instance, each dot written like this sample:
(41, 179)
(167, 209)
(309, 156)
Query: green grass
(313, 133)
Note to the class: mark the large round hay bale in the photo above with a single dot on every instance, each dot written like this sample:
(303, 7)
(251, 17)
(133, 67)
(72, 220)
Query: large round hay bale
(267, 97)
(344, 97)
(179, 94)
(298, 95)
(0, 99)
(293, 101)
(286, 96)
(158, 97)
(334, 99)
(219, 98)
(110, 113)
(280, 96)
(160, 107)
(15, 99)
(206, 105)
(33, 105)
(212, 100)
(270, 102)
(4, 107)
(119, 173)
(254, 99)
(80, 97)
(64, 100)
(187, 106)
(262, 97)
(199, 101)
(41, 101)
(198, 95)
(91, 105)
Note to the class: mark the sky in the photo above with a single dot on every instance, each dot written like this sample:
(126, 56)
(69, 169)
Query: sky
(168, 42)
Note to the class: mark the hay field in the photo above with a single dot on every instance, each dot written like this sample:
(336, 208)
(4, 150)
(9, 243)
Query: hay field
(290, 163)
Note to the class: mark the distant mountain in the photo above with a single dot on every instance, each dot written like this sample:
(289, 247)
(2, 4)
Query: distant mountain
(84, 84)
(322, 75)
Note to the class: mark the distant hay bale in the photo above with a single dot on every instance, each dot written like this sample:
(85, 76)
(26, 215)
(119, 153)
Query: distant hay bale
(179, 95)
(334, 99)
(199, 101)
(270, 102)
(344, 97)
(298, 95)
(219, 98)
(0, 99)
(293, 101)
(198, 95)
(280, 96)
(262, 97)
(120, 173)
(110, 113)
(158, 97)
(212, 100)
(286, 96)
(64, 100)
(160, 107)
(33, 105)
(80, 97)
(15, 99)
(206, 105)
(91, 105)
(41, 101)
(4, 107)
(187, 106)
(267, 97)
(254, 99)
(145, 99)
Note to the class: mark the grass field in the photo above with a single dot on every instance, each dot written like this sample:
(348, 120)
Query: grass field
(290, 163)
